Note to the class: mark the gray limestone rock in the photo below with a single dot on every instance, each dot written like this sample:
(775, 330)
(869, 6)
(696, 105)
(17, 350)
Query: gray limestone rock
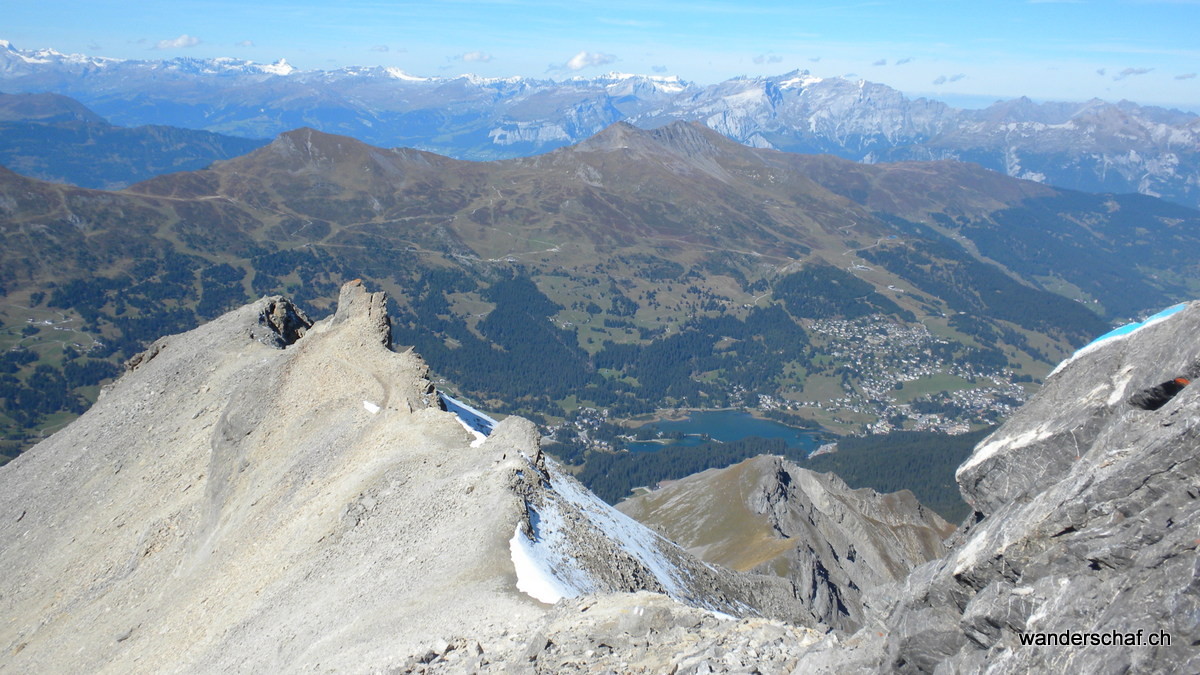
(266, 494)
(1087, 529)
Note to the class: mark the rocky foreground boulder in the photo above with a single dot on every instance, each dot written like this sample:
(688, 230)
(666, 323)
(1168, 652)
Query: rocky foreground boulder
(268, 494)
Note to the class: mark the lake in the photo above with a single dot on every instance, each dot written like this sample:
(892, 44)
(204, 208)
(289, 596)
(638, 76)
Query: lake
(726, 426)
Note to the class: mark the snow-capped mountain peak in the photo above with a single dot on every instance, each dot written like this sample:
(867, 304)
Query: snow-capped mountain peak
(401, 75)
(1092, 146)
(799, 79)
(280, 67)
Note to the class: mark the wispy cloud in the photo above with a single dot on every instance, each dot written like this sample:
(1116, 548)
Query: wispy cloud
(767, 58)
(659, 69)
(1101, 71)
(94, 47)
(880, 62)
(1186, 76)
(475, 57)
(907, 59)
(1130, 72)
(245, 43)
(181, 42)
(584, 59)
(943, 79)
(379, 48)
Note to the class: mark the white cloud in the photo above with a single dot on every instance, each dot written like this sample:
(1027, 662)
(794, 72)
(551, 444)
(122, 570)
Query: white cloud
(1128, 72)
(583, 60)
(880, 62)
(245, 43)
(767, 58)
(380, 48)
(943, 79)
(180, 42)
(659, 69)
(476, 57)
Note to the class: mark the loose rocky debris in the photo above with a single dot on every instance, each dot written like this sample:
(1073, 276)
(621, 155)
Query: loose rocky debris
(644, 633)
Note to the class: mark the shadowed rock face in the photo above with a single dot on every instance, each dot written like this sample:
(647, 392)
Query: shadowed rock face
(1087, 522)
(268, 494)
(768, 515)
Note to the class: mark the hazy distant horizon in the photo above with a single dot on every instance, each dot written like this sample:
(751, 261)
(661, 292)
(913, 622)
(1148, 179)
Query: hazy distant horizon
(1061, 50)
(954, 100)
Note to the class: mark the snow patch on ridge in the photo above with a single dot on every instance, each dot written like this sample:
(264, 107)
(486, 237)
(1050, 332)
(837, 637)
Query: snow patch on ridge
(545, 571)
(638, 540)
(546, 566)
(479, 437)
(1120, 334)
(990, 448)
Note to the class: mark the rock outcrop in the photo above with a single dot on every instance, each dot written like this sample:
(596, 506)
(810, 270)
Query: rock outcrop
(768, 515)
(266, 494)
(1086, 529)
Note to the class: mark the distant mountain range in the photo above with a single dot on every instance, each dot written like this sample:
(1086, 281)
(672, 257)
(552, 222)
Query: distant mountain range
(56, 138)
(1093, 146)
(637, 270)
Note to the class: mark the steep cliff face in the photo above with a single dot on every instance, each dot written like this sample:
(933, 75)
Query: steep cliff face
(1087, 523)
(267, 494)
(768, 515)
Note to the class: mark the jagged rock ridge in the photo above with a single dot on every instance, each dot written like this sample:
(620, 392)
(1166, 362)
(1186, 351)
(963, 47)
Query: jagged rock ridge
(265, 493)
(768, 514)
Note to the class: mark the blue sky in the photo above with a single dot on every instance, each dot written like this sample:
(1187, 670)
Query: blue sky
(1147, 51)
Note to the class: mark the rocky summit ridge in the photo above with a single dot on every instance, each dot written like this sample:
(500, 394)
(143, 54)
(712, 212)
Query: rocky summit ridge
(269, 494)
